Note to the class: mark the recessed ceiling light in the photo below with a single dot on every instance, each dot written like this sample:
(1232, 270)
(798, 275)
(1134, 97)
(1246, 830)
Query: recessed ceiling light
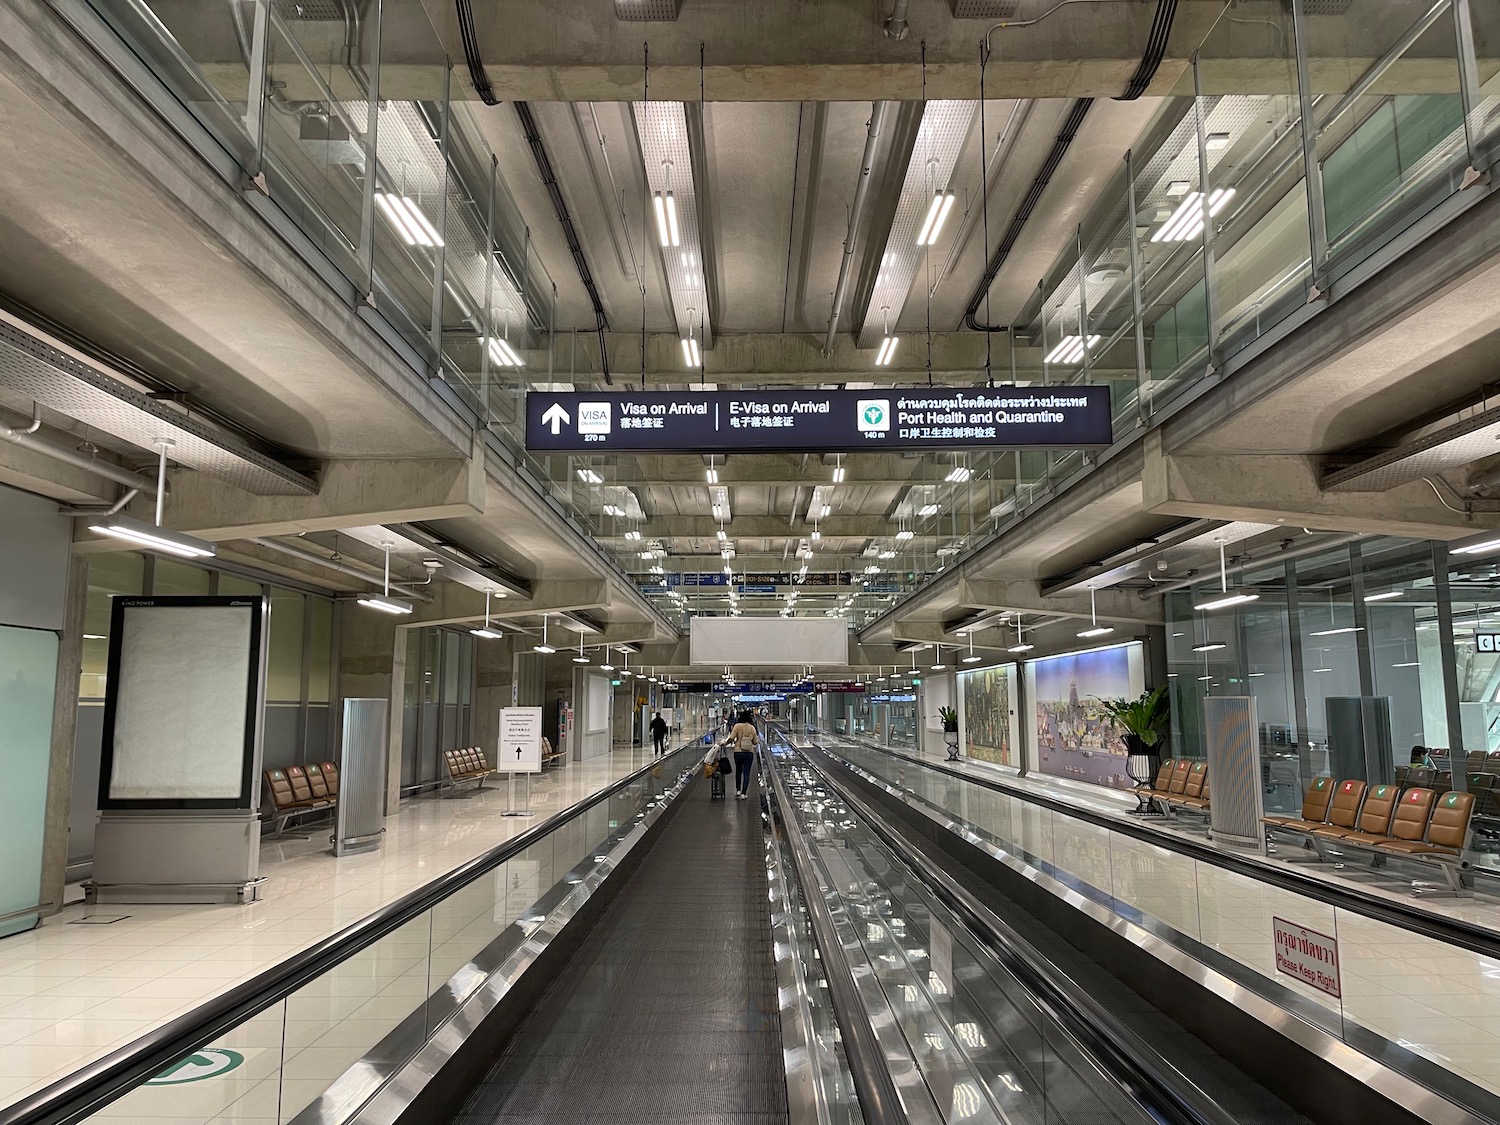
(1216, 142)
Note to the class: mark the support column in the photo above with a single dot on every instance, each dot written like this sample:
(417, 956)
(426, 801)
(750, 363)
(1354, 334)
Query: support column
(372, 665)
(64, 729)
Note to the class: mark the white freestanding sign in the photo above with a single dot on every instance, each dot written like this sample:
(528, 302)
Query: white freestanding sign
(520, 749)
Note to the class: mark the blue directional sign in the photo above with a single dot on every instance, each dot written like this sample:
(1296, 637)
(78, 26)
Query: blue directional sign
(889, 418)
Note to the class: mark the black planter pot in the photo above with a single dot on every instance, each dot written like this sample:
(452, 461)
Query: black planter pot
(1141, 764)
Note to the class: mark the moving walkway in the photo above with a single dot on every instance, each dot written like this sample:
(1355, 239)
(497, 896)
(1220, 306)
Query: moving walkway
(651, 955)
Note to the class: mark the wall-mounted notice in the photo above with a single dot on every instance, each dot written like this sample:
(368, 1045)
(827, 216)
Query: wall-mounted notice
(1311, 957)
(812, 420)
(520, 749)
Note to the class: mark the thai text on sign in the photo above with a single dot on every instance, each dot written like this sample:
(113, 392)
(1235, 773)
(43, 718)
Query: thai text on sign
(1311, 957)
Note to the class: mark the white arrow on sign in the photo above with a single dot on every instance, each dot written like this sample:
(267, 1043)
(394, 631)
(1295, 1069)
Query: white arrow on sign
(555, 417)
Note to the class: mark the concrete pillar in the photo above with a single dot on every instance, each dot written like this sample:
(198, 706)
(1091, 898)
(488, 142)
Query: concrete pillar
(493, 676)
(64, 723)
(372, 665)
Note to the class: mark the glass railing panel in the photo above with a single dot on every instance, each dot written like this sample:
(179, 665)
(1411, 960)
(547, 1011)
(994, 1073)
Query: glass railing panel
(1485, 120)
(237, 1077)
(1257, 193)
(1390, 134)
(1171, 264)
(376, 998)
(201, 54)
(316, 119)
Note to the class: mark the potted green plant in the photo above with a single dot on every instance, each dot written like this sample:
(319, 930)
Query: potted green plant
(949, 718)
(1144, 720)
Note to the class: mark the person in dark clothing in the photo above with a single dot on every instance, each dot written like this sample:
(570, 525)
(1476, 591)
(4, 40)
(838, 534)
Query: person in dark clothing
(659, 734)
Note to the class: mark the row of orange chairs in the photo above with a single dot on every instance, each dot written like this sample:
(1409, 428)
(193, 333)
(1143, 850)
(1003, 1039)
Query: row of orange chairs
(1181, 784)
(296, 790)
(1383, 820)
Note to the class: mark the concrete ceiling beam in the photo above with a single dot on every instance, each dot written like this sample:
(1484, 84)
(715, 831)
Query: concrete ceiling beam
(756, 358)
(350, 494)
(1287, 490)
(1024, 596)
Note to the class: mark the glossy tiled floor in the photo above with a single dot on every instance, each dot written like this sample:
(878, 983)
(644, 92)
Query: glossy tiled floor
(70, 993)
(1437, 1000)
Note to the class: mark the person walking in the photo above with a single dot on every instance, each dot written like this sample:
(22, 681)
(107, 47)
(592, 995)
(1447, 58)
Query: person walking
(743, 738)
(659, 734)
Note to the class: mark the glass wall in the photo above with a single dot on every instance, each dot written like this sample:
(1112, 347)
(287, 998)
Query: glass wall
(1343, 650)
(299, 668)
(439, 703)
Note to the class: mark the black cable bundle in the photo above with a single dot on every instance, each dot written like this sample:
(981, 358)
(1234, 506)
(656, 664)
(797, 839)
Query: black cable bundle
(1156, 48)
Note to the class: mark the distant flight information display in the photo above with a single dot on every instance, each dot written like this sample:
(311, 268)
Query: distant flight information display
(812, 421)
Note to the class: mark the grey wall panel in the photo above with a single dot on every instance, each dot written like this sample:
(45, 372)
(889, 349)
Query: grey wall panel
(33, 561)
(88, 733)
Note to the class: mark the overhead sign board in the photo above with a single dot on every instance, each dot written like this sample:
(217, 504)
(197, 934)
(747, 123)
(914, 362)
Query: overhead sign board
(816, 421)
(520, 749)
(1487, 642)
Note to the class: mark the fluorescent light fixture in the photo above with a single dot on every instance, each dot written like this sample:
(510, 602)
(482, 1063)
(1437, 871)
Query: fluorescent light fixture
(904, 534)
(614, 510)
(389, 605)
(1336, 632)
(411, 224)
(937, 214)
(487, 634)
(816, 535)
(1386, 596)
(958, 474)
(1205, 677)
(667, 231)
(544, 648)
(711, 475)
(1481, 546)
(95, 637)
(1225, 600)
(690, 353)
(1187, 221)
(1096, 631)
(721, 535)
(580, 660)
(1022, 647)
(502, 354)
(1176, 189)
(1070, 349)
(890, 554)
(1212, 646)
(1254, 674)
(145, 534)
(588, 476)
(1216, 142)
(973, 658)
(927, 510)
(887, 350)
(1322, 669)
(1407, 664)
(633, 534)
(838, 474)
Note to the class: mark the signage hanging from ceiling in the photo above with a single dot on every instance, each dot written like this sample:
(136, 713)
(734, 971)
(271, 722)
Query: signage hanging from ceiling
(817, 421)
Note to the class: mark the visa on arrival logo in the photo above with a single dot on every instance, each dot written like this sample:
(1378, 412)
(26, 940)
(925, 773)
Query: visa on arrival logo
(593, 417)
(874, 415)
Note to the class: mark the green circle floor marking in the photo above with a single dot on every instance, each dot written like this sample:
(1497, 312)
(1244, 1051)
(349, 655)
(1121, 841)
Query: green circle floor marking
(210, 1062)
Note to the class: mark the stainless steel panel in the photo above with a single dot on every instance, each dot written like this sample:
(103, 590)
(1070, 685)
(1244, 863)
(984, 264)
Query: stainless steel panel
(1234, 769)
(361, 807)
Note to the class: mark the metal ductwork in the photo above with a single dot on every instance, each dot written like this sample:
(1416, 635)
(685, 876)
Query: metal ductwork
(861, 193)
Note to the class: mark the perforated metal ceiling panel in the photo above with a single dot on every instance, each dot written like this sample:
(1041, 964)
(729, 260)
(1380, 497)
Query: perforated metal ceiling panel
(662, 130)
(647, 9)
(1447, 448)
(68, 384)
(945, 125)
(985, 9)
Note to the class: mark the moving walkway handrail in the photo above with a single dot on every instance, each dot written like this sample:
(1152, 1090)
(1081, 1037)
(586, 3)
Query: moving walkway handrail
(96, 1084)
(878, 1099)
(1129, 1060)
(1453, 931)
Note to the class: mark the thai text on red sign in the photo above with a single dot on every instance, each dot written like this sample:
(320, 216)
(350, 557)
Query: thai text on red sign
(1311, 957)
